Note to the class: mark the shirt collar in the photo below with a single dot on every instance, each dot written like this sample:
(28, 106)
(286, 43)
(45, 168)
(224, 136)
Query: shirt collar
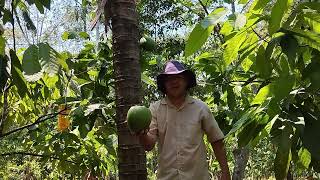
(188, 100)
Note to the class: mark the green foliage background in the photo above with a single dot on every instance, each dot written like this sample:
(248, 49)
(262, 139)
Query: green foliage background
(257, 68)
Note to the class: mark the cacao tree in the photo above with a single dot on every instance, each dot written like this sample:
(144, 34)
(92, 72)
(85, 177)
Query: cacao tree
(271, 53)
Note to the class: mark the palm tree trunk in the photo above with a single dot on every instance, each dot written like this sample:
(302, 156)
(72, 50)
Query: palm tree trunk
(124, 23)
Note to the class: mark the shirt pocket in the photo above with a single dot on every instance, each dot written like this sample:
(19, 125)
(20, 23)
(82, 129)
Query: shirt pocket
(191, 133)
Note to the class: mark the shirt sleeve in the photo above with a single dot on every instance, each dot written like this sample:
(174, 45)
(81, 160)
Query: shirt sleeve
(153, 128)
(210, 126)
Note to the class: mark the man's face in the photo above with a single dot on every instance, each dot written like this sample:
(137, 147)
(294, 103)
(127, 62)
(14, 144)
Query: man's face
(175, 85)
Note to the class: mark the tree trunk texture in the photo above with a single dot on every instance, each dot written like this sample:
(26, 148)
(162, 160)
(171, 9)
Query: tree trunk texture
(124, 25)
(4, 113)
(241, 157)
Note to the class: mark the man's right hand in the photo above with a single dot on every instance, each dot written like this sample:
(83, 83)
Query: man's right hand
(146, 140)
(142, 132)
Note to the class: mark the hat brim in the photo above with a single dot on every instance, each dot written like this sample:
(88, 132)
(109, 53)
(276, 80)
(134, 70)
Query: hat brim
(173, 72)
(191, 78)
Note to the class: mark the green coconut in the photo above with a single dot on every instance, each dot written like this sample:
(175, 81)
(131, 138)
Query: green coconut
(147, 43)
(138, 118)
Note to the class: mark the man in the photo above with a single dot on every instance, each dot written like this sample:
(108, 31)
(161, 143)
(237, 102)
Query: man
(178, 125)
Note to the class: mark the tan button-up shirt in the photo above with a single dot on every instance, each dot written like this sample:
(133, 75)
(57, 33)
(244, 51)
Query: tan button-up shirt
(179, 132)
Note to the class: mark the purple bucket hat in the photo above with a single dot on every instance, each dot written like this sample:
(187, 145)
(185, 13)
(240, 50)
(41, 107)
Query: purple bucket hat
(175, 67)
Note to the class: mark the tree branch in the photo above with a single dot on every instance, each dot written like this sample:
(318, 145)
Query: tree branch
(39, 120)
(190, 9)
(229, 82)
(36, 155)
(260, 37)
(204, 7)
(12, 21)
(245, 6)
(233, 7)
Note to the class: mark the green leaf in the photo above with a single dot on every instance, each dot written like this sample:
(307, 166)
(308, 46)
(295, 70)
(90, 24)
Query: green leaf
(226, 28)
(284, 65)
(251, 42)
(231, 100)
(3, 71)
(312, 72)
(273, 108)
(50, 82)
(283, 86)
(147, 43)
(247, 62)
(255, 11)
(311, 135)
(272, 45)
(248, 133)
(196, 39)
(61, 60)
(39, 6)
(315, 163)
(205, 55)
(84, 35)
(93, 107)
(243, 1)
(240, 21)
(254, 131)
(262, 95)
(202, 31)
(283, 155)
(46, 3)
(7, 16)
(147, 80)
(282, 163)
(263, 65)
(313, 20)
(307, 37)
(249, 47)
(75, 87)
(68, 35)
(29, 23)
(71, 100)
(1, 29)
(19, 81)
(271, 123)
(15, 62)
(232, 48)
(30, 64)
(304, 157)
(306, 55)
(48, 59)
(257, 6)
(245, 119)
(289, 46)
(2, 46)
(30, 2)
(278, 11)
(65, 35)
(17, 77)
(309, 5)
(214, 17)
